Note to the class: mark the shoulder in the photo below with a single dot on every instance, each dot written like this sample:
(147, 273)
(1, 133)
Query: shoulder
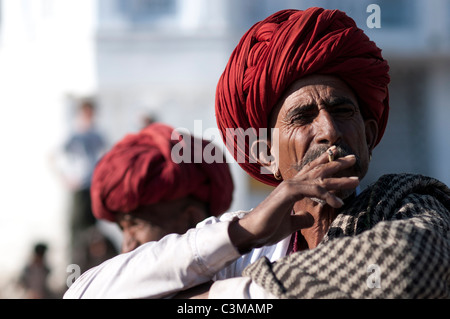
(409, 181)
(390, 189)
(391, 197)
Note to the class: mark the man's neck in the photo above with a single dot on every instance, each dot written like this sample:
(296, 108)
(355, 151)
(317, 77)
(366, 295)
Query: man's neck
(323, 217)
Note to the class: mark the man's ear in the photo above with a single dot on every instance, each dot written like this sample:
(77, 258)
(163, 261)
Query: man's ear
(371, 133)
(260, 152)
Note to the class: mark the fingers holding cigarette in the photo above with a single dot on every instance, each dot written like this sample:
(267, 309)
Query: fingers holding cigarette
(330, 155)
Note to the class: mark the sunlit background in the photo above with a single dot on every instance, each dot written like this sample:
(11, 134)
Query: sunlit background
(162, 58)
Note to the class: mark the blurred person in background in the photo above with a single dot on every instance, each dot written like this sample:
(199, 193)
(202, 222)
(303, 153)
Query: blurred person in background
(138, 186)
(146, 189)
(93, 248)
(75, 163)
(147, 119)
(34, 277)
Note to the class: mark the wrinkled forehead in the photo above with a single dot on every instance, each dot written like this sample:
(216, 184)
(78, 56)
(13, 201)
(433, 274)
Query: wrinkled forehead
(311, 90)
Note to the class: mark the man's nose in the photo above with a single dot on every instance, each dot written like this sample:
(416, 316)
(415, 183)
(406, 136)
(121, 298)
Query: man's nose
(327, 131)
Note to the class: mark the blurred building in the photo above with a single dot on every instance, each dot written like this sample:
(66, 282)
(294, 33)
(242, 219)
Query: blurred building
(162, 59)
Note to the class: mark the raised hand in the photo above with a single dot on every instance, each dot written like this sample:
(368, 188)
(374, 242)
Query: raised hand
(274, 219)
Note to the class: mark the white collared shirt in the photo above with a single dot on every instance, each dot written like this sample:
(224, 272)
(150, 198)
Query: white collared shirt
(177, 262)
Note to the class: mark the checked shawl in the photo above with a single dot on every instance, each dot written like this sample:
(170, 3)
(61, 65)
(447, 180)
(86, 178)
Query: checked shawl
(392, 241)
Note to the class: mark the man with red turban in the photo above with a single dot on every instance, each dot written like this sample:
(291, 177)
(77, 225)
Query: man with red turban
(150, 194)
(285, 47)
(321, 86)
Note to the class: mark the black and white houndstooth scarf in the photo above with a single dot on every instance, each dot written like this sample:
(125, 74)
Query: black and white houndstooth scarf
(392, 241)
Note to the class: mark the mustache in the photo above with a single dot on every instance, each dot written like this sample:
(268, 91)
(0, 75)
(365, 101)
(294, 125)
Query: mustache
(342, 150)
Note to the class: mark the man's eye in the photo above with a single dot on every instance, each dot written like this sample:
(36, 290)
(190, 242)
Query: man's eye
(344, 111)
(303, 118)
(131, 224)
(138, 223)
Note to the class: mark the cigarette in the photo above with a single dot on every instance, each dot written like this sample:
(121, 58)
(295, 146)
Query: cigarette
(330, 155)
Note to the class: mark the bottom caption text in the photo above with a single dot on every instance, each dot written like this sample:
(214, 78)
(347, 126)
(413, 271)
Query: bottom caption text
(226, 308)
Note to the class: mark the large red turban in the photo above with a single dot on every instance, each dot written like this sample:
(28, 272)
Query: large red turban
(285, 47)
(139, 170)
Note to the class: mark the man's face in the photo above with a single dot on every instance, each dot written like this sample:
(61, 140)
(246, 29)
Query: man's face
(317, 112)
(151, 223)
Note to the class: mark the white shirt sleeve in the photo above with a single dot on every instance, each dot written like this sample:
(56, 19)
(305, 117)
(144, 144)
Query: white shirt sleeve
(238, 288)
(174, 263)
(160, 269)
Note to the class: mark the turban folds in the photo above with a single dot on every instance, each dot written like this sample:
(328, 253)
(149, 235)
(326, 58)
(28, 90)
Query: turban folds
(139, 171)
(285, 47)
